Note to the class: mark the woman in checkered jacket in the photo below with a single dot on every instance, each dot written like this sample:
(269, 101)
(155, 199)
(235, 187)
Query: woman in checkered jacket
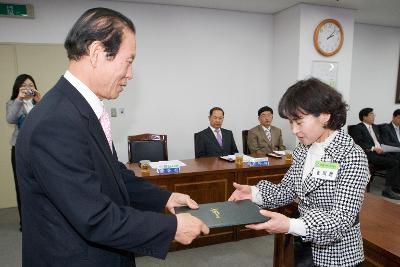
(327, 178)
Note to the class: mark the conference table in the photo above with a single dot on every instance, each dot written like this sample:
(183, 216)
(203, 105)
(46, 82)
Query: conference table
(209, 180)
(380, 229)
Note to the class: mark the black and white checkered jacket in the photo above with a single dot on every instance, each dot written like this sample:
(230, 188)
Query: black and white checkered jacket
(328, 208)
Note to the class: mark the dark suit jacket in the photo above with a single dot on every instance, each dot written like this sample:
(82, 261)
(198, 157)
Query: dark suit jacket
(389, 136)
(80, 206)
(206, 145)
(363, 138)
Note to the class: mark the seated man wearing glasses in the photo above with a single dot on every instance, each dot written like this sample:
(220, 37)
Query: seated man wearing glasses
(265, 138)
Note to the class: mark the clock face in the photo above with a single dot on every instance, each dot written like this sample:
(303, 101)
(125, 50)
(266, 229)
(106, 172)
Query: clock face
(328, 37)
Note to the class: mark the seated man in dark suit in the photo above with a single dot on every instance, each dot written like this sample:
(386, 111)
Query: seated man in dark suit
(367, 136)
(214, 141)
(265, 138)
(390, 132)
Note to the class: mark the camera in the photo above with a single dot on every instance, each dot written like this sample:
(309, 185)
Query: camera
(29, 92)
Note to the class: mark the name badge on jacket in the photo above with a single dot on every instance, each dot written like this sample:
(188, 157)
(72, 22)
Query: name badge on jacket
(325, 170)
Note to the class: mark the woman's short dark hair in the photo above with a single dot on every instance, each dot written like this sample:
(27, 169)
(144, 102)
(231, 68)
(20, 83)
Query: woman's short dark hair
(18, 83)
(216, 108)
(313, 97)
(97, 24)
(364, 113)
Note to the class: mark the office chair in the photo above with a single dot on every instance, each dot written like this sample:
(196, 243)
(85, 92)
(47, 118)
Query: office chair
(246, 150)
(147, 146)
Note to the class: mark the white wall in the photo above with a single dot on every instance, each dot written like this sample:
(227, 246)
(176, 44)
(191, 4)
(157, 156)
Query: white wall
(188, 60)
(294, 51)
(374, 71)
(285, 63)
(311, 16)
(201, 57)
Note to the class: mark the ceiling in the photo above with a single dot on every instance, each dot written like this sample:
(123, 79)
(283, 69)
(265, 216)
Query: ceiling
(378, 12)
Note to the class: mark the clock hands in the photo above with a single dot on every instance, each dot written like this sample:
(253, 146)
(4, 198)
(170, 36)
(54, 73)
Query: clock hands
(331, 35)
(328, 37)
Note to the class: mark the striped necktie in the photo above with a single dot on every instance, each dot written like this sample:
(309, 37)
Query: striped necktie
(268, 134)
(219, 137)
(106, 125)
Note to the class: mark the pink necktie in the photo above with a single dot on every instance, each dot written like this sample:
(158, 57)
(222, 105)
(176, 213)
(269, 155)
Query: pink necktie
(219, 137)
(106, 125)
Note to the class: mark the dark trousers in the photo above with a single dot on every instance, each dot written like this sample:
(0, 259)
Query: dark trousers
(16, 182)
(391, 165)
(302, 253)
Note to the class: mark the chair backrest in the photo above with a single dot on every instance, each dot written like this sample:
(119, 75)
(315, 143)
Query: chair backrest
(195, 137)
(147, 146)
(350, 130)
(381, 128)
(246, 150)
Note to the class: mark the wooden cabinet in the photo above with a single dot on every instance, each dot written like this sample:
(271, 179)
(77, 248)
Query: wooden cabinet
(252, 177)
(209, 180)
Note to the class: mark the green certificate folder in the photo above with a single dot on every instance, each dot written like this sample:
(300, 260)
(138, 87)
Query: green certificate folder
(229, 213)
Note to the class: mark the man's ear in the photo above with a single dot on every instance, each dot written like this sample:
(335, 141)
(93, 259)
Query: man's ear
(95, 49)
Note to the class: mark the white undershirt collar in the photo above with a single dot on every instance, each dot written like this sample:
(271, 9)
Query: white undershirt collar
(95, 103)
(265, 128)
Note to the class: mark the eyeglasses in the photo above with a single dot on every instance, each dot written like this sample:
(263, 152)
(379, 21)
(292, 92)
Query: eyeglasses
(266, 115)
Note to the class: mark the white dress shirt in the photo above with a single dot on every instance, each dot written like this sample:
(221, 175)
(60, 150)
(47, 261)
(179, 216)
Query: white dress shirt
(95, 103)
(396, 129)
(372, 133)
(28, 105)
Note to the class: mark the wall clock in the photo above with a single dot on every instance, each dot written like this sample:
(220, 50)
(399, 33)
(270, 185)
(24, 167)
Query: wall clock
(328, 37)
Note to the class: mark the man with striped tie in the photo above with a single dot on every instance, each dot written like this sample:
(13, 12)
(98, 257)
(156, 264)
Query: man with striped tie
(265, 138)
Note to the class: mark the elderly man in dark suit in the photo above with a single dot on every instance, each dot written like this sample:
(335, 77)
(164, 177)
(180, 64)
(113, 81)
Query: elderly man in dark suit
(390, 132)
(265, 138)
(366, 134)
(214, 141)
(81, 206)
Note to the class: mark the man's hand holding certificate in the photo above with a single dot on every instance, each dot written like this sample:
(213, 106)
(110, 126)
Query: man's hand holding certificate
(223, 214)
(238, 210)
(188, 226)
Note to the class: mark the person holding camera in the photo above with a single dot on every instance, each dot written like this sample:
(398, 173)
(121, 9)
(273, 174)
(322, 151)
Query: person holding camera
(24, 97)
